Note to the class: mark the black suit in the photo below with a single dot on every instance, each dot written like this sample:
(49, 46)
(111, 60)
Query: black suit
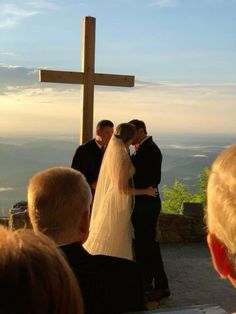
(88, 159)
(109, 285)
(147, 161)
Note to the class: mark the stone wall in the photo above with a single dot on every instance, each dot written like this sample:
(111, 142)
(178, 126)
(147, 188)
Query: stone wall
(19, 220)
(172, 228)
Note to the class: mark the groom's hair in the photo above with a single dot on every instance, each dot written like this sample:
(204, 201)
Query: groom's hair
(57, 199)
(139, 124)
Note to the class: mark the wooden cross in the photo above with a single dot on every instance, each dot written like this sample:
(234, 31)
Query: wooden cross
(87, 77)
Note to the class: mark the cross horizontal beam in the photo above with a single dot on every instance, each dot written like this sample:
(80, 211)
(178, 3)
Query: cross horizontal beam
(67, 77)
(114, 80)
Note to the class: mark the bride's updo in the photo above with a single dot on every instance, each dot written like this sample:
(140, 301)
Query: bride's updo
(125, 132)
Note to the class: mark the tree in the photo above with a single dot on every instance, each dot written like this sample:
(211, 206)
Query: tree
(202, 179)
(174, 196)
(177, 194)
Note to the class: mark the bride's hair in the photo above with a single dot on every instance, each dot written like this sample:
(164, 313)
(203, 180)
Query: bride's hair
(125, 131)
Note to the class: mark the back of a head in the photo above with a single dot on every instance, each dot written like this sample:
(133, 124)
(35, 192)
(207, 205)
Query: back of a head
(34, 276)
(125, 132)
(139, 124)
(221, 198)
(57, 197)
(104, 123)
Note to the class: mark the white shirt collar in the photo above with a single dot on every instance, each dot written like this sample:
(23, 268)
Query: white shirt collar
(99, 145)
(144, 139)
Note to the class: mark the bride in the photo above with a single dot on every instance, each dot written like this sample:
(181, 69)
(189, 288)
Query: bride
(110, 227)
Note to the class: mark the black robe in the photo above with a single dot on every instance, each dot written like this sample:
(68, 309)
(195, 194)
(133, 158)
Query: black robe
(88, 159)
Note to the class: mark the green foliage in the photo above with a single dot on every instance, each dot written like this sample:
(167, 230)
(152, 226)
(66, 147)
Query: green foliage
(200, 195)
(177, 194)
(174, 196)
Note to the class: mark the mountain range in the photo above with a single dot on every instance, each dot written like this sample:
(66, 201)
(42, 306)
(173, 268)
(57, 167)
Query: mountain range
(184, 157)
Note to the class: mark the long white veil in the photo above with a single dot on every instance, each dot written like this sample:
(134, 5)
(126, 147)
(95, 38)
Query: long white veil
(112, 207)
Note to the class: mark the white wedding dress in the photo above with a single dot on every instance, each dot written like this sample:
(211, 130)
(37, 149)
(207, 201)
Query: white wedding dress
(110, 227)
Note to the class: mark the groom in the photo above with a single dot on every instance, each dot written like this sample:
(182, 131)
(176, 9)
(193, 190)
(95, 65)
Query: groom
(147, 161)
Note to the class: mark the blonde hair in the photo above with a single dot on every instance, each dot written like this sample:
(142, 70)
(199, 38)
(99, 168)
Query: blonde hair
(34, 276)
(57, 197)
(221, 198)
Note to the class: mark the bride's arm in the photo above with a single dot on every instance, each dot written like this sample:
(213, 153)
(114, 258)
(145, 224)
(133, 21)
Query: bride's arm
(123, 182)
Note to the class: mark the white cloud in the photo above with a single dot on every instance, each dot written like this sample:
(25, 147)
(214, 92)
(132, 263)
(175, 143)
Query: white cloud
(10, 66)
(2, 189)
(164, 3)
(30, 106)
(42, 4)
(16, 76)
(12, 14)
(200, 156)
(7, 53)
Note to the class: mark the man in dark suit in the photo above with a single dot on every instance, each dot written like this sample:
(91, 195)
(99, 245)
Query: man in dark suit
(147, 161)
(88, 157)
(59, 205)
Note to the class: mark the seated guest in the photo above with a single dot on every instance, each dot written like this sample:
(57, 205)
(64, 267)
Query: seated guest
(59, 202)
(221, 214)
(35, 277)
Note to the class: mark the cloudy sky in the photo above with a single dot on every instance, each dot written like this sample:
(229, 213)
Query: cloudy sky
(182, 53)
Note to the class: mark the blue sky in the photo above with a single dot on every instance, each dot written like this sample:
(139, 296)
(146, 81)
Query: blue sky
(182, 53)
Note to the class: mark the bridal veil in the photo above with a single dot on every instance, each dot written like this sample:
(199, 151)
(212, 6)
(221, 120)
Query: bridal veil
(110, 226)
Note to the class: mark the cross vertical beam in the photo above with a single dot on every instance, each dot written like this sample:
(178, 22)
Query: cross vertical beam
(87, 89)
(87, 78)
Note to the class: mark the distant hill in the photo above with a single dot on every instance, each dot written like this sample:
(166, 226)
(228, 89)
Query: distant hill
(184, 157)
(18, 162)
